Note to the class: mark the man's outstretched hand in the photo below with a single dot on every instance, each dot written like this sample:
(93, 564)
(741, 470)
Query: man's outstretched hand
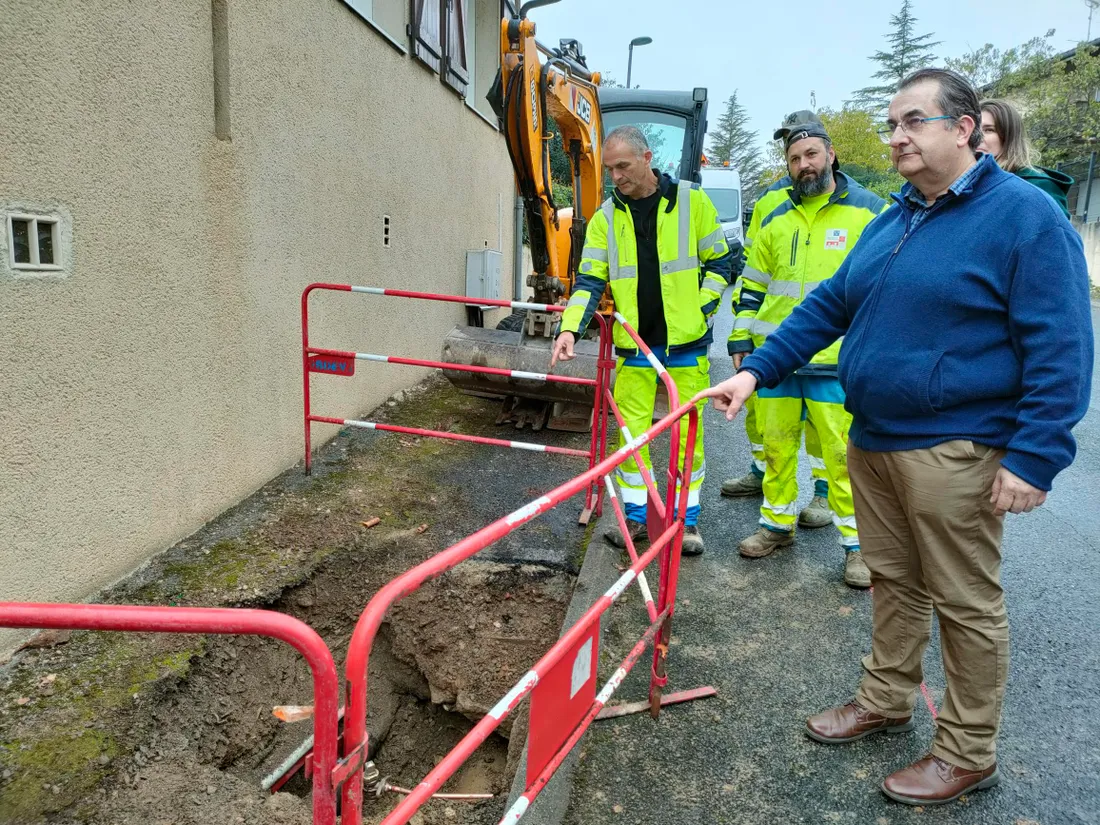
(730, 396)
(563, 348)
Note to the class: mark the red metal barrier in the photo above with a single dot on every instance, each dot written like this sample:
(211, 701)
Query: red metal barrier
(573, 647)
(225, 621)
(342, 362)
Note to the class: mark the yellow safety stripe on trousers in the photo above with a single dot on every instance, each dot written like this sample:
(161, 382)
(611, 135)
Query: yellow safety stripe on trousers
(786, 510)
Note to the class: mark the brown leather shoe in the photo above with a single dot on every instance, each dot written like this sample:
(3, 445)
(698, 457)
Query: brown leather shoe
(851, 722)
(932, 781)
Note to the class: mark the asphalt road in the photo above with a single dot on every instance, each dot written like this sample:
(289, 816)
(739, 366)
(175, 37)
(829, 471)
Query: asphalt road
(781, 638)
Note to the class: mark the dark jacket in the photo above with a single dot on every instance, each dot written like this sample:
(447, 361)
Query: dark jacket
(1054, 183)
(952, 331)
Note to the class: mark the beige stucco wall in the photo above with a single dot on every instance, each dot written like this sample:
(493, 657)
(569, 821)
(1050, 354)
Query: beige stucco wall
(157, 380)
(1090, 237)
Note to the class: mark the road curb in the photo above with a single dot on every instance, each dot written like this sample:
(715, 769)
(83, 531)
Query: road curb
(598, 572)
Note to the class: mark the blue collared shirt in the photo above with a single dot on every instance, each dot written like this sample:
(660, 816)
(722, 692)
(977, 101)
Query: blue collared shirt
(915, 198)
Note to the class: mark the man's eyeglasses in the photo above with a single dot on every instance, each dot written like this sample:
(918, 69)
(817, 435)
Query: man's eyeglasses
(911, 126)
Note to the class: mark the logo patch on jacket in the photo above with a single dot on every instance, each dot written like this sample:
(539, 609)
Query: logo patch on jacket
(836, 238)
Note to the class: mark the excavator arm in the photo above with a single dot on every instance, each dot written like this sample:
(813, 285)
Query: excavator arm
(537, 86)
(540, 85)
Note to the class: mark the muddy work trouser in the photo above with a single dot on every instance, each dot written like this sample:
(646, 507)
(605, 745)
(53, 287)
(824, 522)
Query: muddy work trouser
(933, 543)
(779, 412)
(813, 449)
(635, 392)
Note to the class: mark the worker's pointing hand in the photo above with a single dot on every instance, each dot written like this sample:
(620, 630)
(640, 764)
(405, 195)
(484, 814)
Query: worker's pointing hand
(563, 348)
(731, 394)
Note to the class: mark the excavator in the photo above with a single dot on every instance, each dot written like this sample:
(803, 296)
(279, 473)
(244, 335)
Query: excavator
(534, 87)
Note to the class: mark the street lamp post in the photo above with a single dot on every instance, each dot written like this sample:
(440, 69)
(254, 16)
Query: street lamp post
(637, 41)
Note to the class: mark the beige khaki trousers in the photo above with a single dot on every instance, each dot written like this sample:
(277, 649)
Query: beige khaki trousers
(932, 542)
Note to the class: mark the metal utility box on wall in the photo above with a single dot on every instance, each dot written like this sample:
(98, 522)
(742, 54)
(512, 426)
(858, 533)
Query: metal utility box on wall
(483, 273)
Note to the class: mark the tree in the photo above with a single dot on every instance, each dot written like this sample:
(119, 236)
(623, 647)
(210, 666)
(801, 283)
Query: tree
(862, 154)
(732, 141)
(1058, 100)
(908, 51)
(986, 66)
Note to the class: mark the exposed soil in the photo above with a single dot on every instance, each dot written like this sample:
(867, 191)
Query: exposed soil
(113, 729)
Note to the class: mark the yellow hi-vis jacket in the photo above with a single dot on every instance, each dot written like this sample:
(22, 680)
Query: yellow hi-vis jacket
(696, 266)
(766, 201)
(792, 254)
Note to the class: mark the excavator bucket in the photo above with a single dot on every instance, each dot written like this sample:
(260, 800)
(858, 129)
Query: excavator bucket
(527, 402)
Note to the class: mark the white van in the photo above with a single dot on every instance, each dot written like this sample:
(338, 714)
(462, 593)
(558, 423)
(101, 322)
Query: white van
(723, 185)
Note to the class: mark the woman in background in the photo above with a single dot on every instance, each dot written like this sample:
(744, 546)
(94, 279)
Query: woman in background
(1003, 136)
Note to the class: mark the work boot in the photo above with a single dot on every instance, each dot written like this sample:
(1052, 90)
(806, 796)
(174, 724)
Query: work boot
(817, 514)
(856, 573)
(638, 534)
(763, 543)
(934, 781)
(851, 722)
(749, 484)
(693, 543)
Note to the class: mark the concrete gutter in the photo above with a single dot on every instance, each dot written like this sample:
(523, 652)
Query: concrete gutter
(598, 572)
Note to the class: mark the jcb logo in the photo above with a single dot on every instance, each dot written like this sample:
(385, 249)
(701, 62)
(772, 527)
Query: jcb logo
(584, 109)
(534, 106)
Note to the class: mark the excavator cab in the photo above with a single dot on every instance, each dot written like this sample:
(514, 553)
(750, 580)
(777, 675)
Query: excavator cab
(674, 123)
(537, 84)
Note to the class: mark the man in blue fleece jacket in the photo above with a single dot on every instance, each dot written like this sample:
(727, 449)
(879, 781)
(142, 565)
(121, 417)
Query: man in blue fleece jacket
(967, 360)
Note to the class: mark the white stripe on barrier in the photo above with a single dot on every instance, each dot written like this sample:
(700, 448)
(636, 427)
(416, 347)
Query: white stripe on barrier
(524, 305)
(366, 425)
(534, 376)
(644, 585)
(367, 356)
(650, 357)
(525, 445)
(633, 445)
(610, 487)
(619, 587)
(516, 812)
(528, 681)
(527, 511)
(611, 686)
(370, 290)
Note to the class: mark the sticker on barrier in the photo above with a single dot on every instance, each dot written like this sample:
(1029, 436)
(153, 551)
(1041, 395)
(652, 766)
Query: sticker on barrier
(561, 699)
(331, 364)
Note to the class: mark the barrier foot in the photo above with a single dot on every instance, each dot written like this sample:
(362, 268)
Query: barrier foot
(615, 711)
(585, 517)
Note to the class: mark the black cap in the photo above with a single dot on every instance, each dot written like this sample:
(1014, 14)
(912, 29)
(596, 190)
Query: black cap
(802, 116)
(799, 126)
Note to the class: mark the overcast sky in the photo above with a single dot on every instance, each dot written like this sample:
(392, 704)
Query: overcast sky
(774, 54)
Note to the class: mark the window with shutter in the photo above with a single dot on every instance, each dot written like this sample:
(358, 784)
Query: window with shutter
(426, 32)
(455, 54)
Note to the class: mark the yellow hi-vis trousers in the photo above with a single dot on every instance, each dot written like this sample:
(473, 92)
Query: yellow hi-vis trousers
(779, 413)
(813, 448)
(635, 392)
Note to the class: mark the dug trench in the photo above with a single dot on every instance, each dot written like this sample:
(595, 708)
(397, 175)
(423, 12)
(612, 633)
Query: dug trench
(113, 729)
